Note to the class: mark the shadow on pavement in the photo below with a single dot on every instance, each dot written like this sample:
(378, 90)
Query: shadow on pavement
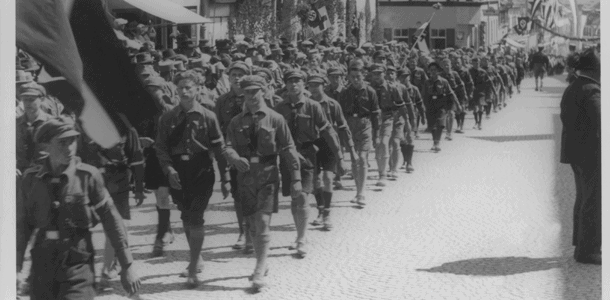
(151, 288)
(498, 266)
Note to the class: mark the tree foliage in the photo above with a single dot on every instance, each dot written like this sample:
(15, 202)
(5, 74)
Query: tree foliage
(253, 18)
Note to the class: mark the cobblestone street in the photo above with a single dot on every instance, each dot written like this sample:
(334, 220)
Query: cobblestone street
(488, 217)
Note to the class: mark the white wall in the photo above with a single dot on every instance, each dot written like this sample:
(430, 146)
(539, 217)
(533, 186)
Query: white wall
(408, 16)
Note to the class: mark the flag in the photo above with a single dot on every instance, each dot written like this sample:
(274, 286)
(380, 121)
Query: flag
(317, 19)
(43, 31)
(549, 11)
(535, 7)
(421, 37)
(80, 45)
(422, 46)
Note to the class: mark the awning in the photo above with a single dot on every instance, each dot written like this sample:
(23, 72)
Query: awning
(169, 11)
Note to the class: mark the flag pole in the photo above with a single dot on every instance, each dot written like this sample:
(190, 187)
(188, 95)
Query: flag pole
(420, 34)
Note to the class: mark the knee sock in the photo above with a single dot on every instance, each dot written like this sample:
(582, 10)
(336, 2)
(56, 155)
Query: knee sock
(163, 225)
(488, 109)
(328, 197)
(480, 113)
(318, 194)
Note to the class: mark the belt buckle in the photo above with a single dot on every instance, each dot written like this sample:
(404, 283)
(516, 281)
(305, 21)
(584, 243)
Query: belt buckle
(52, 235)
(255, 159)
(355, 115)
(434, 97)
(185, 157)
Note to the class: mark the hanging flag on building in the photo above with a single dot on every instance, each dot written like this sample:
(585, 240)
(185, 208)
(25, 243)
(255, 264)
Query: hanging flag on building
(92, 60)
(521, 27)
(317, 19)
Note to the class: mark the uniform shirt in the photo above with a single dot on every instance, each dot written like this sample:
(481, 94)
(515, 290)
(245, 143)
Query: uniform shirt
(228, 106)
(414, 94)
(389, 96)
(466, 79)
(79, 190)
(200, 133)
(334, 114)
(439, 94)
(493, 75)
(581, 118)
(334, 93)
(456, 84)
(266, 135)
(482, 82)
(308, 123)
(28, 151)
(539, 61)
(361, 103)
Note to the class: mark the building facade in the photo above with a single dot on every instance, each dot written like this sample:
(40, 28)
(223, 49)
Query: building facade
(458, 24)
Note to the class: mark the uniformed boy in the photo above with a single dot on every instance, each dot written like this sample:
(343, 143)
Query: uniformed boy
(406, 146)
(186, 136)
(456, 84)
(307, 123)
(403, 116)
(228, 106)
(441, 99)
(27, 151)
(361, 109)
(255, 137)
(327, 162)
(62, 198)
(483, 89)
(456, 62)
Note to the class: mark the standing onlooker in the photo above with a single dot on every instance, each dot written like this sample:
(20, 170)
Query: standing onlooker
(581, 148)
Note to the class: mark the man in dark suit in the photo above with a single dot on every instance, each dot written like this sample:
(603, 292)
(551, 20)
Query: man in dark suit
(581, 148)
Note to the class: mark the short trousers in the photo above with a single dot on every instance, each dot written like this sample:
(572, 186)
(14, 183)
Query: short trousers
(258, 188)
(308, 164)
(326, 160)
(362, 133)
(197, 179)
(440, 118)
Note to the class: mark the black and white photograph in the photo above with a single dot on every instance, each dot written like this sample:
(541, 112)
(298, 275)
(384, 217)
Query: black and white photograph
(302, 149)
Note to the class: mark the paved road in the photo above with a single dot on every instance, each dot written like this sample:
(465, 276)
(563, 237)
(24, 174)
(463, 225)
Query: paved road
(489, 217)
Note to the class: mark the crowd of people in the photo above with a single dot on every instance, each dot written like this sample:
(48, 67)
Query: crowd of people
(273, 116)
